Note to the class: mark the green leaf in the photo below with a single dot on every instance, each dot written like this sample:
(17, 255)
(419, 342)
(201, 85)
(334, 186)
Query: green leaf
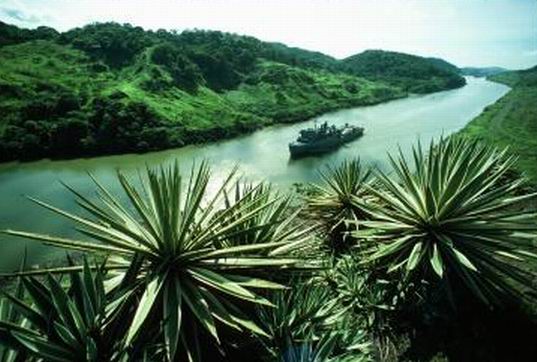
(65, 243)
(436, 261)
(42, 348)
(225, 285)
(415, 256)
(199, 307)
(172, 309)
(146, 303)
(247, 281)
(464, 260)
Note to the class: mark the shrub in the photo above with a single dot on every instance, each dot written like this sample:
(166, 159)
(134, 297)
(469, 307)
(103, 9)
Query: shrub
(185, 73)
(451, 222)
(50, 323)
(333, 202)
(182, 261)
(307, 323)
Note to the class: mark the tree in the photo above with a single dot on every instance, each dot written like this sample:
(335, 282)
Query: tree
(185, 74)
(67, 136)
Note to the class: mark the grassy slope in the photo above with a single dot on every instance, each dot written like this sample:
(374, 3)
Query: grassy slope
(31, 68)
(304, 93)
(512, 120)
(273, 92)
(36, 66)
(99, 89)
(441, 63)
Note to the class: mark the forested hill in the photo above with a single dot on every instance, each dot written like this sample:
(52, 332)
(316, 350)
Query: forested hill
(482, 72)
(441, 63)
(410, 72)
(110, 88)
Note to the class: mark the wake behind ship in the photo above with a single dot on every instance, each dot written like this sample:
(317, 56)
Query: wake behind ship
(322, 139)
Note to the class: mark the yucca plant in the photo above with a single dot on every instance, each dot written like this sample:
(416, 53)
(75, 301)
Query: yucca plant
(9, 314)
(311, 349)
(359, 291)
(368, 301)
(271, 220)
(448, 217)
(333, 201)
(307, 323)
(299, 313)
(184, 258)
(47, 322)
(327, 348)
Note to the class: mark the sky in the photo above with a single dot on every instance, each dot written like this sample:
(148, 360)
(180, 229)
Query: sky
(464, 32)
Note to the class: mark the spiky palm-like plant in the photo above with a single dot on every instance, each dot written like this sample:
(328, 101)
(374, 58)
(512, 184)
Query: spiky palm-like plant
(333, 201)
(298, 313)
(272, 222)
(184, 258)
(447, 217)
(360, 291)
(369, 301)
(311, 349)
(8, 314)
(48, 323)
(307, 323)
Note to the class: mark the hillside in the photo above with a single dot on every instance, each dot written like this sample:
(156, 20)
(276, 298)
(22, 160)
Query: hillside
(110, 88)
(409, 72)
(441, 63)
(482, 72)
(512, 120)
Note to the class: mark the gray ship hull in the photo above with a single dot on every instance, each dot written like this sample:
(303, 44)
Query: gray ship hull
(302, 149)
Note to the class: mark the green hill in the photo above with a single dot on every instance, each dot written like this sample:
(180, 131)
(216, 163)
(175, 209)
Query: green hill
(10, 34)
(409, 72)
(441, 63)
(512, 120)
(110, 88)
(482, 72)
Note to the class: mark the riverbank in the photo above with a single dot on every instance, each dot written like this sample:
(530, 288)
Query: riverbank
(127, 117)
(512, 121)
(114, 89)
(261, 155)
(176, 137)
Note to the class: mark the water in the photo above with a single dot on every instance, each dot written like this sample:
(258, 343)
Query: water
(261, 155)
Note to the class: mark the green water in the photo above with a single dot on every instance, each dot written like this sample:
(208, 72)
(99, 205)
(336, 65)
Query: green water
(262, 155)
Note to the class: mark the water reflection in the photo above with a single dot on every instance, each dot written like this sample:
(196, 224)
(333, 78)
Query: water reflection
(261, 156)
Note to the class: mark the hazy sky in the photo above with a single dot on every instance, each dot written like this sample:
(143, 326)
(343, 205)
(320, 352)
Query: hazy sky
(465, 32)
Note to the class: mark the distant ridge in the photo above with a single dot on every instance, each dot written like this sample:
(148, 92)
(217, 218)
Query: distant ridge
(410, 72)
(482, 72)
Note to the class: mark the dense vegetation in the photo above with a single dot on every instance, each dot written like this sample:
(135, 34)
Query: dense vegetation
(482, 72)
(512, 120)
(409, 72)
(110, 88)
(441, 63)
(434, 266)
(10, 34)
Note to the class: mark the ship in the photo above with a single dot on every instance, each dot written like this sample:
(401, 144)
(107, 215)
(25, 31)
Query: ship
(322, 139)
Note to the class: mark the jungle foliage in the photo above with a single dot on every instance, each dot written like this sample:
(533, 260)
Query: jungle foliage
(437, 264)
(110, 88)
(409, 72)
